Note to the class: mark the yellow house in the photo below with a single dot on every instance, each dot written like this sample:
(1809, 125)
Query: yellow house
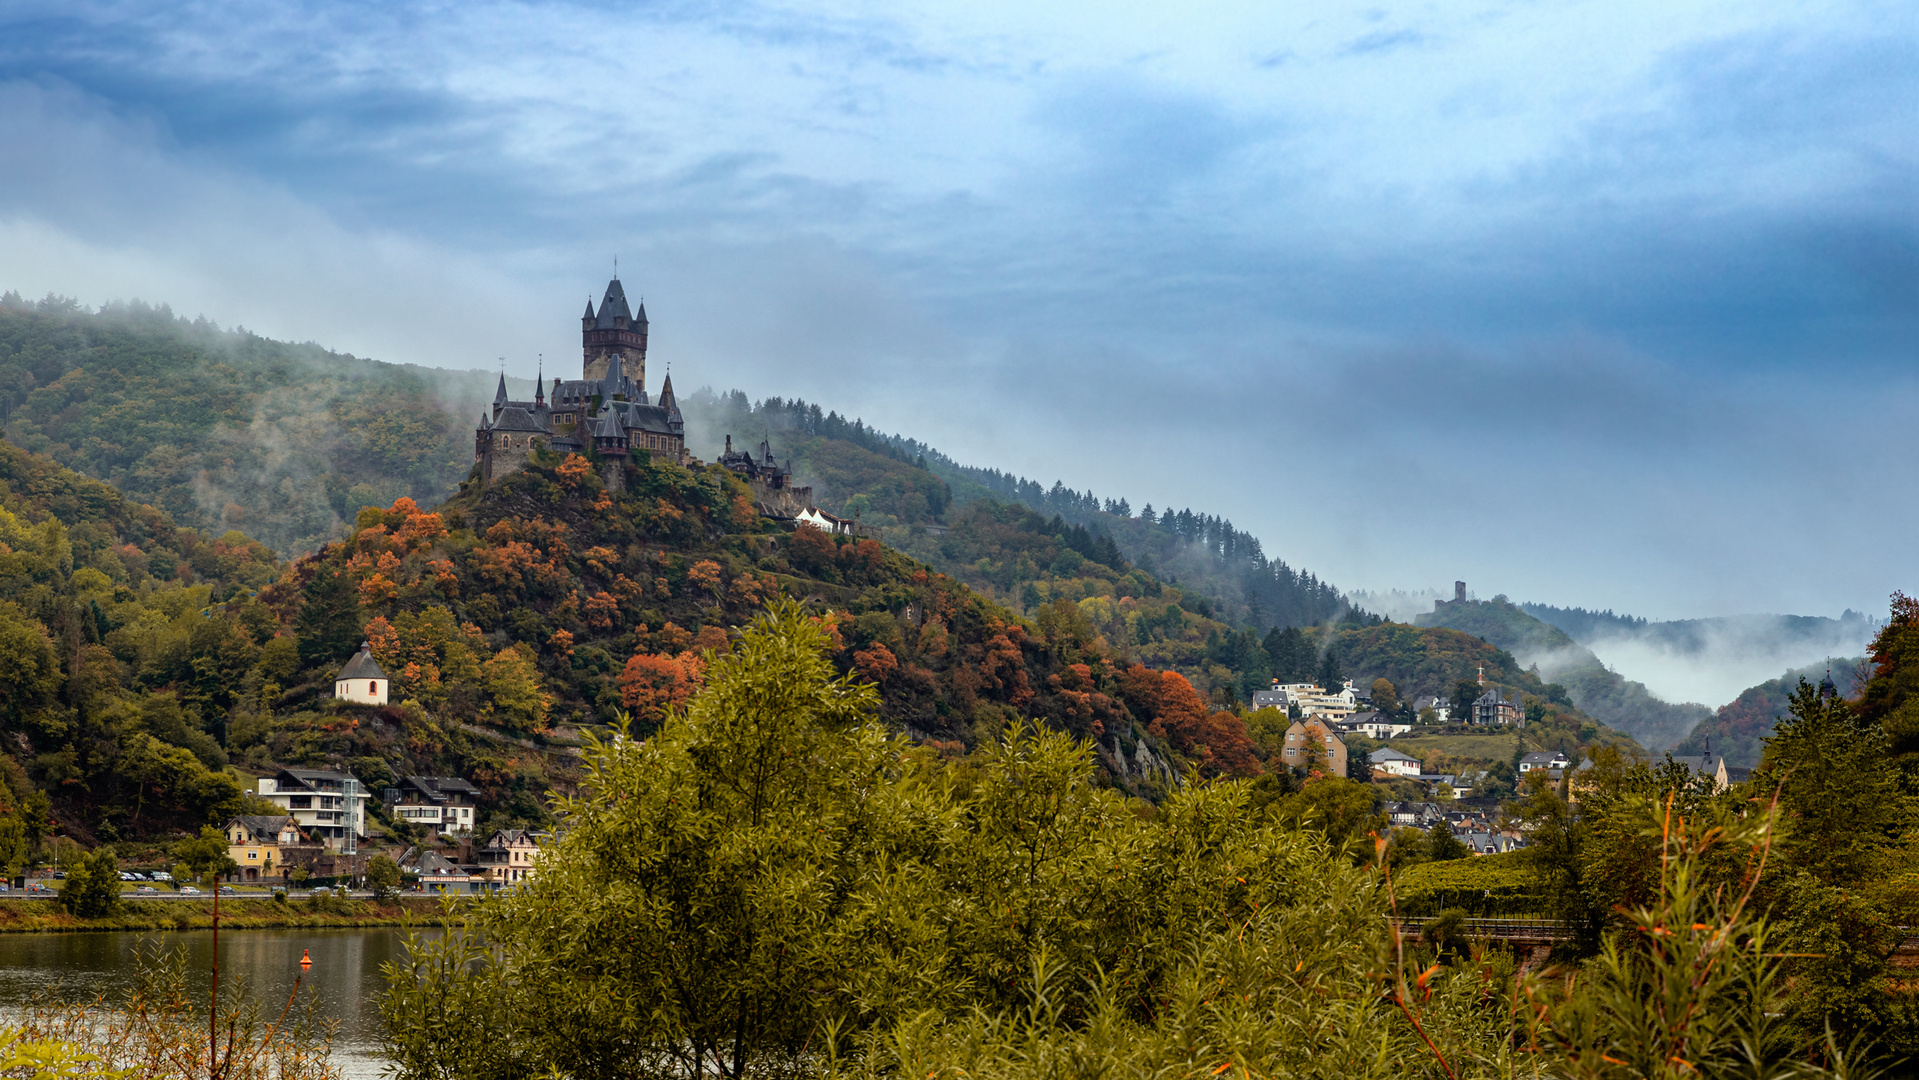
(254, 843)
(508, 856)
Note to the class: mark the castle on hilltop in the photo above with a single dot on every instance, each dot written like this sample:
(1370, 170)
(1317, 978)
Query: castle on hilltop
(606, 408)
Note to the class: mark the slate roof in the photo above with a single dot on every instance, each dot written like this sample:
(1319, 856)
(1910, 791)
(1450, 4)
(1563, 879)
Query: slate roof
(514, 418)
(439, 788)
(361, 667)
(613, 307)
(1387, 753)
(264, 826)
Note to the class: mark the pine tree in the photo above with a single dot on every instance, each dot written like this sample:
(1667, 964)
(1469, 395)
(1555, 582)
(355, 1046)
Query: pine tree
(328, 626)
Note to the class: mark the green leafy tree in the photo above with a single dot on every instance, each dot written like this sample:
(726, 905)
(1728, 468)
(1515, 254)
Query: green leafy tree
(1465, 692)
(383, 877)
(1385, 695)
(205, 856)
(1330, 676)
(1443, 846)
(1842, 813)
(92, 887)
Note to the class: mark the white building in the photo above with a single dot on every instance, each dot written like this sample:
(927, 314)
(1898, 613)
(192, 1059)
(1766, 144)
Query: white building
(361, 681)
(329, 806)
(1394, 762)
(436, 803)
(1552, 761)
(1374, 726)
(1311, 699)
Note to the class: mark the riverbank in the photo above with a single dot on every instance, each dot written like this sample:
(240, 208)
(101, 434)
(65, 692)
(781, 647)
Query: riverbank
(236, 913)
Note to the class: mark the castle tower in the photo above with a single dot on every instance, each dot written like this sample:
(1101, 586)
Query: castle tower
(614, 331)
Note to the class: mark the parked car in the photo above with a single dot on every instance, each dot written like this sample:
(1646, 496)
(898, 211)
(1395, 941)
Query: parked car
(188, 890)
(160, 875)
(59, 875)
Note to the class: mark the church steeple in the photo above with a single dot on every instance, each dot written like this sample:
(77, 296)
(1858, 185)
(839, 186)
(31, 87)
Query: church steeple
(499, 396)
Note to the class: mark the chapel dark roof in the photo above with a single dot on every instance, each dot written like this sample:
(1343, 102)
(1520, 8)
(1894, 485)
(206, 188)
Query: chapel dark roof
(499, 396)
(361, 666)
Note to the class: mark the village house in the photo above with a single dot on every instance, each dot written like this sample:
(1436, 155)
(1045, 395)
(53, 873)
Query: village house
(1388, 760)
(1310, 699)
(437, 873)
(1553, 761)
(508, 857)
(1493, 707)
(329, 806)
(1310, 741)
(1442, 708)
(436, 803)
(1373, 725)
(257, 842)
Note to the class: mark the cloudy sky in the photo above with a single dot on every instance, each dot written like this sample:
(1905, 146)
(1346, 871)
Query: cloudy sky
(1607, 303)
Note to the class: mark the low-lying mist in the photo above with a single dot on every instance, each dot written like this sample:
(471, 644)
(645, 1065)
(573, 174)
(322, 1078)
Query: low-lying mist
(1715, 660)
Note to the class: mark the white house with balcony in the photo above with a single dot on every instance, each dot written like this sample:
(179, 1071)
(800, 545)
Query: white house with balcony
(329, 806)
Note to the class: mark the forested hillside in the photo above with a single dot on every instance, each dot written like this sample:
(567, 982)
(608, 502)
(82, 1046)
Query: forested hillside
(1202, 553)
(148, 673)
(1605, 694)
(224, 429)
(1738, 729)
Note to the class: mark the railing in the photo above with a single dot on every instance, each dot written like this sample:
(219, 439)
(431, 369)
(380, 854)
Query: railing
(1498, 929)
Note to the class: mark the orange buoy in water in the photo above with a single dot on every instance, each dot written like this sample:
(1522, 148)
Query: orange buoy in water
(306, 962)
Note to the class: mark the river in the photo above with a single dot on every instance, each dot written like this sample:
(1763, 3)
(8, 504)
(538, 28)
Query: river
(346, 972)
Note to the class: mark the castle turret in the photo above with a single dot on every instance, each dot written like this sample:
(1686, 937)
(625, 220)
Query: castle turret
(614, 331)
(615, 378)
(499, 396)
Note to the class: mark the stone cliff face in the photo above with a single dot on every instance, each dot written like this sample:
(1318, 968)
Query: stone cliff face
(1142, 765)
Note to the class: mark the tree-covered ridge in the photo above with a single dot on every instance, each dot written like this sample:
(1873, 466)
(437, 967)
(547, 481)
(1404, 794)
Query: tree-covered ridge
(1738, 729)
(546, 600)
(1598, 690)
(1204, 553)
(124, 642)
(225, 429)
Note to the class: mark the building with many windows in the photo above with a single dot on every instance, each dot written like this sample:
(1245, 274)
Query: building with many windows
(439, 804)
(328, 806)
(507, 857)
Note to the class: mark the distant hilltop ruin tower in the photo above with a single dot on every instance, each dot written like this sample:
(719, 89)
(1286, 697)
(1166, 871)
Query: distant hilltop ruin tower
(606, 408)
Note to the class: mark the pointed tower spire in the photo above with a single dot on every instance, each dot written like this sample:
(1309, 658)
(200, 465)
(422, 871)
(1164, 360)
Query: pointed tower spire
(539, 383)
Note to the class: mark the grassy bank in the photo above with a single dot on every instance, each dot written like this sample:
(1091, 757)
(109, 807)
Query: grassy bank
(236, 913)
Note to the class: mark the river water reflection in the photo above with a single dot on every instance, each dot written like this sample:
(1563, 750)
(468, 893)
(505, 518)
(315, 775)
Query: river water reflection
(345, 975)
